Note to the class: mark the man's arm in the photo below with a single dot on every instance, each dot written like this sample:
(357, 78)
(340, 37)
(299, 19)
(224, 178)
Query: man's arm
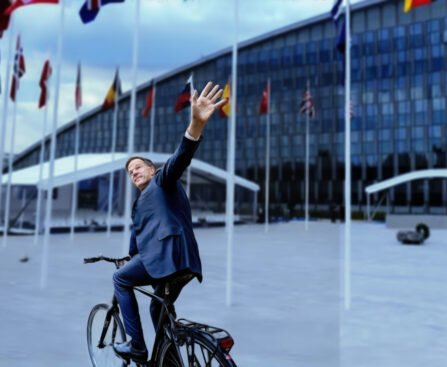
(203, 107)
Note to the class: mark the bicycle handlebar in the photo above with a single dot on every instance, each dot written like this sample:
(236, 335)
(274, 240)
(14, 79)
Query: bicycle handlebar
(89, 260)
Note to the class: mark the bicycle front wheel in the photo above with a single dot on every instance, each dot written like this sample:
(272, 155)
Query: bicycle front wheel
(196, 351)
(101, 351)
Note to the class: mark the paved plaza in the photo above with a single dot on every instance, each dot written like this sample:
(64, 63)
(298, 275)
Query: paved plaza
(287, 307)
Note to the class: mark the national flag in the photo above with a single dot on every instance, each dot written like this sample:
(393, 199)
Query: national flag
(18, 3)
(90, 9)
(340, 26)
(184, 98)
(19, 69)
(78, 90)
(113, 92)
(264, 105)
(224, 110)
(4, 19)
(149, 101)
(44, 77)
(307, 105)
(411, 4)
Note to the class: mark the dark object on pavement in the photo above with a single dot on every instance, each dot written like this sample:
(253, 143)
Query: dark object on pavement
(416, 237)
(423, 229)
(24, 259)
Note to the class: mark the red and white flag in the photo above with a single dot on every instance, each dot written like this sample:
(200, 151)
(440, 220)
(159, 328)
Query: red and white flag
(264, 105)
(78, 90)
(307, 105)
(18, 3)
(4, 19)
(149, 101)
(43, 83)
(19, 69)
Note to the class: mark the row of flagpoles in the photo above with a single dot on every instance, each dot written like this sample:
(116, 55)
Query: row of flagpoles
(88, 13)
(111, 101)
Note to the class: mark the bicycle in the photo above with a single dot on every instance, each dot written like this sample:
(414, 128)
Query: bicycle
(177, 343)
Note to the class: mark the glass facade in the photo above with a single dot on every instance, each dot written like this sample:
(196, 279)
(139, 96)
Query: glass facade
(399, 82)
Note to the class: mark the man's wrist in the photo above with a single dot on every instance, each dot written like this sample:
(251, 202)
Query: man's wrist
(189, 136)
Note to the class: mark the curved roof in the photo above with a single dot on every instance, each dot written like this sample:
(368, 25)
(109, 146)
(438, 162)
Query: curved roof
(93, 165)
(406, 177)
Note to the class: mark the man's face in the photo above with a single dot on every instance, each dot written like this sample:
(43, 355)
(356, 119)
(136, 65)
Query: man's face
(140, 173)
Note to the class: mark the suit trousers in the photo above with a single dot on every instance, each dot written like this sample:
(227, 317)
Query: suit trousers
(134, 274)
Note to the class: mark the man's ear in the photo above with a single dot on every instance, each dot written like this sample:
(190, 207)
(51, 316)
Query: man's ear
(152, 171)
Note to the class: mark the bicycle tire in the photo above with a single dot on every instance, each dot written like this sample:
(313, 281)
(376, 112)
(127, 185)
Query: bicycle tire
(104, 356)
(205, 354)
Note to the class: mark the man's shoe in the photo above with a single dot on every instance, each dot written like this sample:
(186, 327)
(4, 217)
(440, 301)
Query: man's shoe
(128, 352)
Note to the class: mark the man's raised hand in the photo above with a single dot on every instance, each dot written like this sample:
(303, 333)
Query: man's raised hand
(203, 107)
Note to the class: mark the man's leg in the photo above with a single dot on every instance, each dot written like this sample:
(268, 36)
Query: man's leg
(130, 275)
(174, 292)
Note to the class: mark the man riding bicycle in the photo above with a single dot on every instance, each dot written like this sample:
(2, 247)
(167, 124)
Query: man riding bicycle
(162, 244)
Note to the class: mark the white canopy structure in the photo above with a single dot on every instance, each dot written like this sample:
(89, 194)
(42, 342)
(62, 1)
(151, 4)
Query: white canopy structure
(93, 165)
(406, 177)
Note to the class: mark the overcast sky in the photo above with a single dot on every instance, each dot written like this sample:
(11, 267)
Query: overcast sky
(172, 33)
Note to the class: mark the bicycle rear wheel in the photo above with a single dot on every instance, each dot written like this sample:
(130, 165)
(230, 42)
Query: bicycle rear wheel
(102, 355)
(196, 351)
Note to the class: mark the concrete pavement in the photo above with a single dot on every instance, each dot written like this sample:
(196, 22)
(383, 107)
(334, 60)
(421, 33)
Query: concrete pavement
(287, 307)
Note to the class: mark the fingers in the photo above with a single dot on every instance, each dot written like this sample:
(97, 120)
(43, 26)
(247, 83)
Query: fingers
(206, 89)
(195, 96)
(213, 91)
(217, 95)
(206, 93)
(221, 103)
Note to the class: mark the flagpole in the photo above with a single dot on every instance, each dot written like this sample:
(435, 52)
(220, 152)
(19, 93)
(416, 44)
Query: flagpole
(348, 160)
(39, 190)
(49, 203)
(111, 175)
(306, 210)
(151, 138)
(231, 160)
(5, 107)
(267, 160)
(10, 159)
(188, 171)
(130, 142)
(74, 193)
(22, 216)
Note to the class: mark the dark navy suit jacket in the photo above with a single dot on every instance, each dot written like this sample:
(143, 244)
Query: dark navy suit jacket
(162, 225)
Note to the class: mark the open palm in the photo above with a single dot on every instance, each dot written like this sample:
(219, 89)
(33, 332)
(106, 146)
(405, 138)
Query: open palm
(204, 105)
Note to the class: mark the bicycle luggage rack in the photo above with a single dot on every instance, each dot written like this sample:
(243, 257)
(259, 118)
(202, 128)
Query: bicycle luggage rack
(222, 336)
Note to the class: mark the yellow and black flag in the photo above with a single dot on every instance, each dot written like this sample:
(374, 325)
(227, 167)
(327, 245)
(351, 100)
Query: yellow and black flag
(113, 93)
(411, 4)
(224, 110)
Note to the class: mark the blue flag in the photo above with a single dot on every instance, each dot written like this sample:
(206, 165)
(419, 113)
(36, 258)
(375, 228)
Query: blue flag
(90, 9)
(340, 26)
(336, 10)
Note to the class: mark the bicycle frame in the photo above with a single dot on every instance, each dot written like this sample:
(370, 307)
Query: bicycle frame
(166, 315)
(113, 309)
